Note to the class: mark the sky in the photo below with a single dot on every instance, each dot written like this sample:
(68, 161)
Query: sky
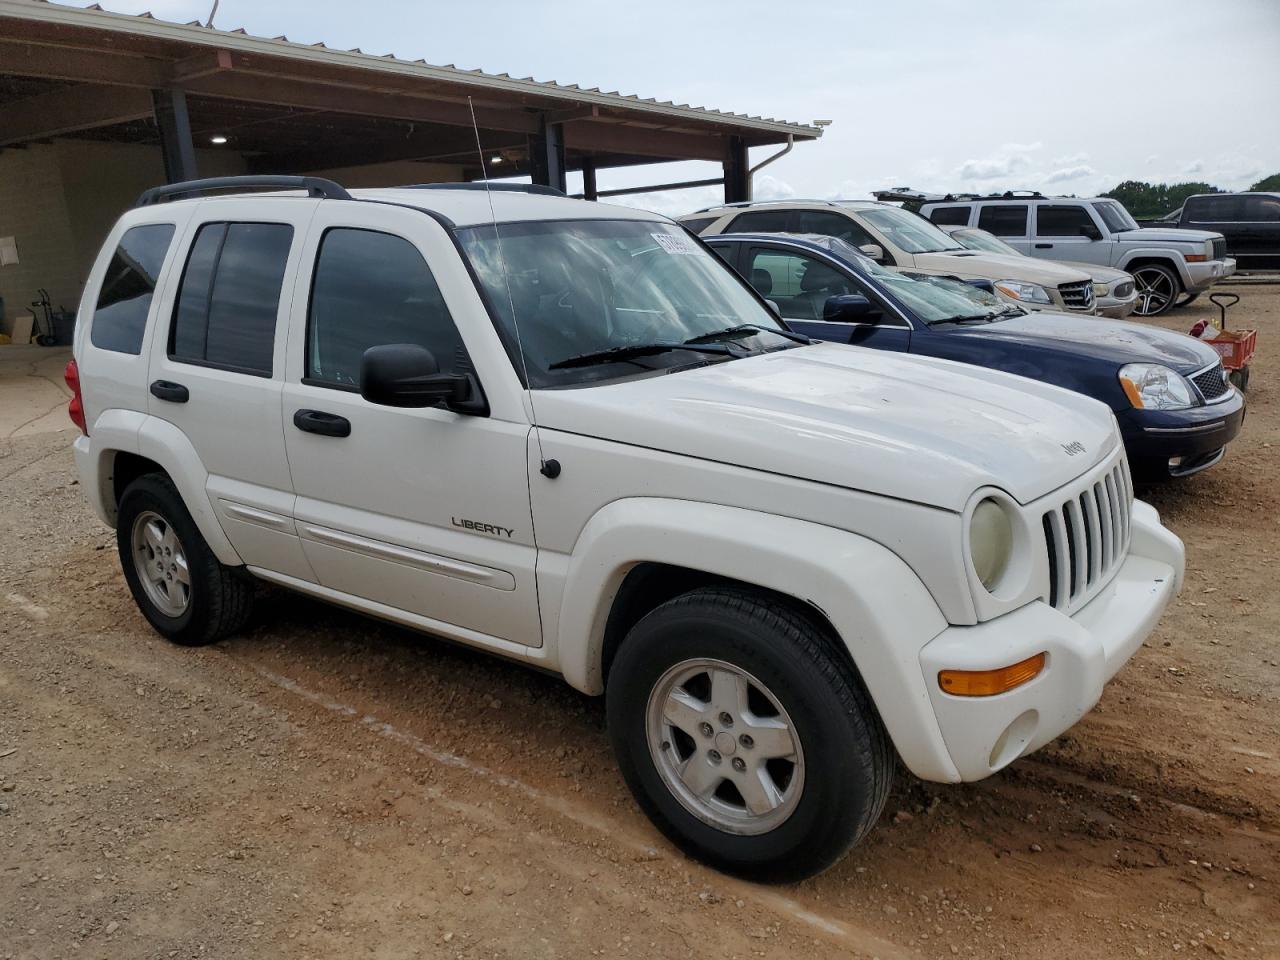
(1063, 97)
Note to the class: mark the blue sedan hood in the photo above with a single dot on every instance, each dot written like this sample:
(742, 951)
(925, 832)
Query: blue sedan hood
(1114, 341)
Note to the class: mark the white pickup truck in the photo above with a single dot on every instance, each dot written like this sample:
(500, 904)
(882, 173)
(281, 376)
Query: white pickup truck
(565, 433)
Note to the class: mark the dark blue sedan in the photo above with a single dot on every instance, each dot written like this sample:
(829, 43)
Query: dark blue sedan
(1175, 406)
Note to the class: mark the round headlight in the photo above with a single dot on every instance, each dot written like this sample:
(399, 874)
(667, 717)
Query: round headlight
(990, 541)
(1025, 292)
(1153, 386)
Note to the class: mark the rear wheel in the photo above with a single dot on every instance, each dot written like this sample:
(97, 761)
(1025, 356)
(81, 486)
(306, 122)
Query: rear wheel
(1158, 289)
(177, 582)
(745, 737)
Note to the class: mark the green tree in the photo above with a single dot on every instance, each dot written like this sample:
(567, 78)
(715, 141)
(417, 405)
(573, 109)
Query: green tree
(1147, 200)
(1268, 183)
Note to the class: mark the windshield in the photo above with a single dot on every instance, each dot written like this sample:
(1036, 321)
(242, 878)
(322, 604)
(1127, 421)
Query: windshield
(909, 232)
(931, 299)
(1115, 216)
(580, 287)
(981, 240)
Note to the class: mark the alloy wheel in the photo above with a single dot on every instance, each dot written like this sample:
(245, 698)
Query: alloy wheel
(725, 747)
(161, 563)
(1156, 291)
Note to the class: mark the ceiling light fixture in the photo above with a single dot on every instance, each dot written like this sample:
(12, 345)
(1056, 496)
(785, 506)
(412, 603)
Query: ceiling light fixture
(496, 158)
(219, 139)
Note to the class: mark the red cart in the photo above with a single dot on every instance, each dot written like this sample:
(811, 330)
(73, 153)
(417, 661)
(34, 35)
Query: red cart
(1236, 347)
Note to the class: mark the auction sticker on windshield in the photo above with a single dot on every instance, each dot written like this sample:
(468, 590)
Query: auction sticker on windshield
(673, 243)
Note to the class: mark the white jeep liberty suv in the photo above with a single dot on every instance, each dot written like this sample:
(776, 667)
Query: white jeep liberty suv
(565, 432)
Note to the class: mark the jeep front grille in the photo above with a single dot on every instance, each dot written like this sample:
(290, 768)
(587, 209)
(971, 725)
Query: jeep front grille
(1219, 248)
(1212, 383)
(1077, 296)
(1087, 535)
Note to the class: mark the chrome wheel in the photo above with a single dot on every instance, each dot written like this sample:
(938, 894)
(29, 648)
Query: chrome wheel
(1157, 290)
(724, 746)
(161, 564)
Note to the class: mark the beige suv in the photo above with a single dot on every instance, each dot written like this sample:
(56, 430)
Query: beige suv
(897, 238)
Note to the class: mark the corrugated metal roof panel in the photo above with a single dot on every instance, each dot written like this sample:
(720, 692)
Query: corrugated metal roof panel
(146, 24)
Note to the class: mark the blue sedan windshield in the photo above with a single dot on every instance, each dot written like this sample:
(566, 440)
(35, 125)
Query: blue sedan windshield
(931, 299)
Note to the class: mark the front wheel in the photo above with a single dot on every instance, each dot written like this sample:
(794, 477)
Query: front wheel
(1158, 289)
(745, 738)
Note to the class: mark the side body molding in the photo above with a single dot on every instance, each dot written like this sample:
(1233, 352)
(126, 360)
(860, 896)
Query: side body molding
(878, 606)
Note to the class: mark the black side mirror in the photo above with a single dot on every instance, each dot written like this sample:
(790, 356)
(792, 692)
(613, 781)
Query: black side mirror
(850, 308)
(1090, 231)
(407, 375)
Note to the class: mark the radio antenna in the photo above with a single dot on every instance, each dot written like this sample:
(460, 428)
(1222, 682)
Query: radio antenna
(549, 468)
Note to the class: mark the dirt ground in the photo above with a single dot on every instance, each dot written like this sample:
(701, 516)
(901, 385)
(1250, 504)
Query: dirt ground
(325, 786)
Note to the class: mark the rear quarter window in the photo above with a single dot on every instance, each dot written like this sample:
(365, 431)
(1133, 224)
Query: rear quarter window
(124, 300)
(698, 224)
(950, 216)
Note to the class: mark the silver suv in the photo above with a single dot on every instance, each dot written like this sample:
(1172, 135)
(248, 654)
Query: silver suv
(1166, 263)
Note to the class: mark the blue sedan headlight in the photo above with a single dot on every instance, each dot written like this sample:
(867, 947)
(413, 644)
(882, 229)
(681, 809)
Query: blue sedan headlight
(1153, 386)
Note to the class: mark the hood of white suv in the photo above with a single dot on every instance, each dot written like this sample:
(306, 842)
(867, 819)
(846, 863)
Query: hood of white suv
(1166, 235)
(998, 266)
(913, 428)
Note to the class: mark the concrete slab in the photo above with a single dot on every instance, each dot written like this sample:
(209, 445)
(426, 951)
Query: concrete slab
(33, 395)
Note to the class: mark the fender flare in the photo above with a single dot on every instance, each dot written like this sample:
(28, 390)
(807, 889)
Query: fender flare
(1172, 257)
(168, 446)
(879, 608)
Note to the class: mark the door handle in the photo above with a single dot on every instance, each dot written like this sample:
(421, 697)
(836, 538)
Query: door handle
(1044, 246)
(325, 424)
(168, 390)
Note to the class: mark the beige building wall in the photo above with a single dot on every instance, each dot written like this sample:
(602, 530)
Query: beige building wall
(33, 210)
(59, 201)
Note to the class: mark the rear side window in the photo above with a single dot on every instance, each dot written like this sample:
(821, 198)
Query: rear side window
(760, 221)
(1004, 219)
(951, 216)
(370, 289)
(124, 301)
(1062, 220)
(226, 311)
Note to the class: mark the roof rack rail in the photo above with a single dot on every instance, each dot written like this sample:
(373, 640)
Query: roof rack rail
(765, 203)
(315, 187)
(535, 188)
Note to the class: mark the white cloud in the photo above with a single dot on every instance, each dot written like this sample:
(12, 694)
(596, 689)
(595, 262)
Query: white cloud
(1069, 173)
(1195, 166)
(1008, 160)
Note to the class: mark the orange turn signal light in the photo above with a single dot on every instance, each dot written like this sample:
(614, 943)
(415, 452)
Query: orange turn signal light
(1195, 257)
(987, 683)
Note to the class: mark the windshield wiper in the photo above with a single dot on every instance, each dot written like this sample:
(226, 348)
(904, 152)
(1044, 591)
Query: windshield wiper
(964, 318)
(631, 351)
(747, 328)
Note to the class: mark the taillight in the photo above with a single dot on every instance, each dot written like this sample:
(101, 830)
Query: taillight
(75, 409)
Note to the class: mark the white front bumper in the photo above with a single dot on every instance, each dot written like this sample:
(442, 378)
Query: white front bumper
(1084, 651)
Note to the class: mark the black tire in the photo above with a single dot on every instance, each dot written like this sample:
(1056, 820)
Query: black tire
(1240, 378)
(791, 654)
(220, 598)
(1164, 285)
(1186, 300)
